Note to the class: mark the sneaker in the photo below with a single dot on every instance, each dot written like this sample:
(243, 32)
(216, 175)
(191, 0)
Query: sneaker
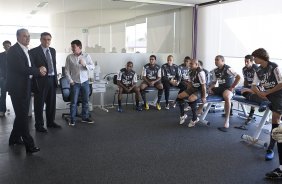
(182, 119)
(187, 108)
(146, 106)
(276, 173)
(2, 114)
(158, 106)
(71, 123)
(193, 123)
(269, 155)
(87, 120)
(174, 105)
(139, 108)
(119, 109)
(167, 107)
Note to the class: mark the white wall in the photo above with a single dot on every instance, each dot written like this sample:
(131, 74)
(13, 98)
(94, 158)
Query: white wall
(238, 28)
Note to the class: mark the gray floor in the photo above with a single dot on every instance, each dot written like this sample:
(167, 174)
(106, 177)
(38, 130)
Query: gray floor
(135, 147)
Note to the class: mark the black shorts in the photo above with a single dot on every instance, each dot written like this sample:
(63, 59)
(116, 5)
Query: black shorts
(218, 91)
(276, 102)
(194, 91)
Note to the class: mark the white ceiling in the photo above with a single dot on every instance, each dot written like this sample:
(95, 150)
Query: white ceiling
(58, 6)
(97, 11)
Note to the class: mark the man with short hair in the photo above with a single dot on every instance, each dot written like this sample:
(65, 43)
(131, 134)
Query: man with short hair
(151, 74)
(76, 69)
(170, 77)
(3, 77)
(20, 71)
(126, 81)
(224, 75)
(249, 71)
(44, 55)
(196, 89)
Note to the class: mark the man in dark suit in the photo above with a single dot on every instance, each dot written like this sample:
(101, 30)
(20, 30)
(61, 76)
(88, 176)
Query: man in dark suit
(43, 55)
(3, 77)
(20, 71)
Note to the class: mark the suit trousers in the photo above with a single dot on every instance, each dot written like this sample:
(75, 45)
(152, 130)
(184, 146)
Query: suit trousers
(47, 96)
(20, 127)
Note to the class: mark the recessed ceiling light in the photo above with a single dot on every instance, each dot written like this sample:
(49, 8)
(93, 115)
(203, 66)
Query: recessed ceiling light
(42, 4)
(33, 12)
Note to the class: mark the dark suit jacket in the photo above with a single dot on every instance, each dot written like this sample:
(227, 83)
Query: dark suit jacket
(3, 65)
(39, 60)
(18, 72)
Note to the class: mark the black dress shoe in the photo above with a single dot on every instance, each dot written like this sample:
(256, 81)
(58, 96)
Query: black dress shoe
(54, 125)
(41, 129)
(30, 150)
(16, 142)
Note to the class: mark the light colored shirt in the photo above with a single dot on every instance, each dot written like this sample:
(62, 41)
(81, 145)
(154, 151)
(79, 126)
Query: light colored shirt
(74, 71)
(25, 49)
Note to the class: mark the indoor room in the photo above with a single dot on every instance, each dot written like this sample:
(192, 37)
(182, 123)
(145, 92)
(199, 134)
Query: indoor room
(146, 133)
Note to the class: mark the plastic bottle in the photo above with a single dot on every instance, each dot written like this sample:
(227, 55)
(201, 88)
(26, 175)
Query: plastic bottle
(97, 72)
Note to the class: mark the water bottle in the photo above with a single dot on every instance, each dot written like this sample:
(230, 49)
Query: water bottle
(97, 72)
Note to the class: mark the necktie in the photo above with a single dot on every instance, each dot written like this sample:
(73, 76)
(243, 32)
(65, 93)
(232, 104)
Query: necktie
(49, 62)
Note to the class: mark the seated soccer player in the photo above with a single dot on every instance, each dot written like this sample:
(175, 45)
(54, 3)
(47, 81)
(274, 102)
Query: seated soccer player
(196, 89)
(207, 74)
(184, 70)
(248, 73)
(269, 76)
(170, 77)
(224, 75)
(126, 82)
(151, 77)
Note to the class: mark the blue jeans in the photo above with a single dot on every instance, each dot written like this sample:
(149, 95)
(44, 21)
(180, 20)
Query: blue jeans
(3, 95)
(79, 92)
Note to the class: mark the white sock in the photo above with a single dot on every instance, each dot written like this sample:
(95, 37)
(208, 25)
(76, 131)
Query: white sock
(280, 167)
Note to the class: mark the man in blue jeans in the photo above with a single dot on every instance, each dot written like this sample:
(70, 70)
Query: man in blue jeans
(3, 77)
(76, 69)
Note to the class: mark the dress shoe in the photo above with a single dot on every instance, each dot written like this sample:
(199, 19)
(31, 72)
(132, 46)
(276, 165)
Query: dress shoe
(16, 142)
(41, 129)
(30, 150)
(54, 125)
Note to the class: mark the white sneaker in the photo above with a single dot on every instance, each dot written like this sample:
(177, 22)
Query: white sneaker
(167, 107)
(187, 108)
(193, 123)
(182, 119)
(2, 114)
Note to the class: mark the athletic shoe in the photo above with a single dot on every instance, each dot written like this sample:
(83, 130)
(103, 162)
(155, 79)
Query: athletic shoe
(269, 155)
(146, 106)
(174, 105)
(87, 120)
(182, 119)
(158, 106)
(72, 123)
(193, 123)
(119, 109)
(167, 107)
(138, 108)
(276, 173)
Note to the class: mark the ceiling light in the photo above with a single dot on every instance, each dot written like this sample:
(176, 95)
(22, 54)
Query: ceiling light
(42, 4)
(158, 2)
(33, 12)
